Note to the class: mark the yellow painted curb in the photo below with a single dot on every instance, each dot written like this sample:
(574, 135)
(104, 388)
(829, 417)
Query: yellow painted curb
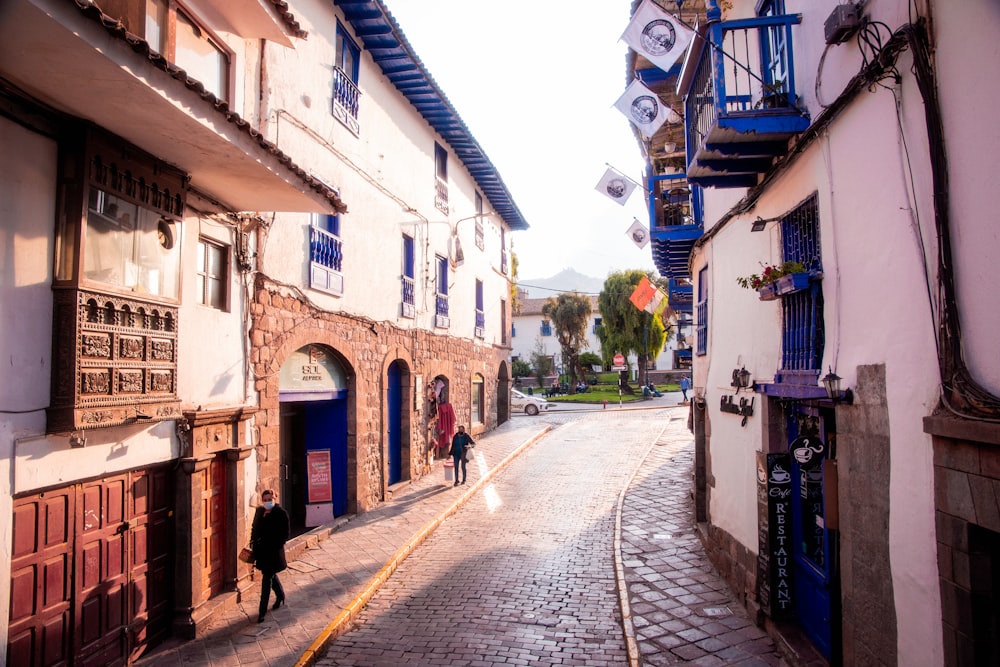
(338, 625)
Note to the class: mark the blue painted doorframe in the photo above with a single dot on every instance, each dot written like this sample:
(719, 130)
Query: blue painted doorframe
(394, 400)
(811, 553)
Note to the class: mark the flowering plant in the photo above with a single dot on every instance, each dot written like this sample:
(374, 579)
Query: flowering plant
(770, 274)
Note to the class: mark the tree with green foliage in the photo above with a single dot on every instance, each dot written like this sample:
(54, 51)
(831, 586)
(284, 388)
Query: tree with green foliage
(624, 328)
(569, 313)
(588, 360)
(540, 362)
(520, 368)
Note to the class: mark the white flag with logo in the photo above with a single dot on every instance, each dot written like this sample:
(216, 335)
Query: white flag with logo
(639, 234)
(643, 107)
(657, 35)
(616, 186)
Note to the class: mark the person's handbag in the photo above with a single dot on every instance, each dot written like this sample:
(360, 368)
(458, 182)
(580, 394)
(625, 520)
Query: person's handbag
(246, 555)
(467, 454)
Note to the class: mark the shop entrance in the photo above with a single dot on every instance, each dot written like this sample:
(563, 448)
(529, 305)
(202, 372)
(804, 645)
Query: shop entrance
(812, 552)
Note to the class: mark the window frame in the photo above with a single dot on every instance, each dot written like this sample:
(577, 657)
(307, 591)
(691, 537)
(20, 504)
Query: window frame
(167, 46)
(701, 331)
(477, 410)
(203, 277)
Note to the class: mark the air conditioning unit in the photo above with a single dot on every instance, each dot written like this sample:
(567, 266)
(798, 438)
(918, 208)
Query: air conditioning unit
(842, 23)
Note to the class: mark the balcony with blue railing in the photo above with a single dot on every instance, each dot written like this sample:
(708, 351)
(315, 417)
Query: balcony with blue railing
(326, 257)
(680, 294)
(741, 104)
(441, 319)
(675, 216)
(409, 308)
(345, 100)
(480, 324)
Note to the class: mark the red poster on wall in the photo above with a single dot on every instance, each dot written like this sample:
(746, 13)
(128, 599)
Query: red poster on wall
(318, 473)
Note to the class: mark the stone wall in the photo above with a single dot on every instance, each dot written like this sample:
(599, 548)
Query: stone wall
(284, 321)
(863, 464)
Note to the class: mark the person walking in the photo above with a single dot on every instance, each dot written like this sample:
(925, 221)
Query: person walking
(267, 540)
(458, 445)
(685, 385)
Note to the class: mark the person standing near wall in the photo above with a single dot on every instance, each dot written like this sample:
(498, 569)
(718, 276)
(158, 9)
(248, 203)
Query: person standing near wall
(458, 445)
(267, 540)
(685, 385)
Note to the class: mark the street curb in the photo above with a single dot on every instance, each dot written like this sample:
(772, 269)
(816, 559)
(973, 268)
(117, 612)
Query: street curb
(628, 628)
(339, 624)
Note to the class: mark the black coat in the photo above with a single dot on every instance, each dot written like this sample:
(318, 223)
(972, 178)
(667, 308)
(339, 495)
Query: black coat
(267, 539)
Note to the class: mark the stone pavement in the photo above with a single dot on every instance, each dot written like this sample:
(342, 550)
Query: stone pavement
(677, 609)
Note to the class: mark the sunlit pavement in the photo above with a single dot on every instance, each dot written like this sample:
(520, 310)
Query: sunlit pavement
(517, 564)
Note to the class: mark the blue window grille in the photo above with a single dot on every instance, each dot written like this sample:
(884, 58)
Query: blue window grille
(702, 329)
(546, 328)
(480, 315)
(441, 300)
(408, 282)
(803, 335)
(345, 79)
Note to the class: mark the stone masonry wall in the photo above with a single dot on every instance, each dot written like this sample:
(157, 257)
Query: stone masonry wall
(284, 321)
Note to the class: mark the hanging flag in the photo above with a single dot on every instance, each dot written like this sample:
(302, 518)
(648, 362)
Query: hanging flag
(643, 107)
(643, 293)
(663, 305)
(616, 186)
(656, 35)
(639, 234)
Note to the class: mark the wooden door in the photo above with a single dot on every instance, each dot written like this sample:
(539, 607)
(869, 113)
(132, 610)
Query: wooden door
(41, 579)
(213, 535)
(151, 562)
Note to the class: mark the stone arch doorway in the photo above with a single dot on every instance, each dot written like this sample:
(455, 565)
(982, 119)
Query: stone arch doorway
(503, 394)
(313, 459)
(397, 422)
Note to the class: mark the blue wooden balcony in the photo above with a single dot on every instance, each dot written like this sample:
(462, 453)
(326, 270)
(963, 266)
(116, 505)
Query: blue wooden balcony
(675, 223)
(680, 295)
(741, 104)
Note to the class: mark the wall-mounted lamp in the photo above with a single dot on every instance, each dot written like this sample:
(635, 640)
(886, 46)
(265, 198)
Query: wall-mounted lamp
(78, 439)
(140, 416)
(760, 223)
(831, 383)
(741, 378)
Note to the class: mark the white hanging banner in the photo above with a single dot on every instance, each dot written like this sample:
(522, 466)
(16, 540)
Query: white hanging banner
(616, 186)
(643, 107)
(656, 35)
(639, 234)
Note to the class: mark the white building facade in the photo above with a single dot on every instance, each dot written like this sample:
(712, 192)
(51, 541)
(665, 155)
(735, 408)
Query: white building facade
(221, 276)
(837, 137)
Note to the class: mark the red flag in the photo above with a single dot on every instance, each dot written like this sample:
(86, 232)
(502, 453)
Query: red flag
(643, 293)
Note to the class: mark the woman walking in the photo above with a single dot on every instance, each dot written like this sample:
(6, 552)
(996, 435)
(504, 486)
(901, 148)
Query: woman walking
(458, 445)
(267, 540)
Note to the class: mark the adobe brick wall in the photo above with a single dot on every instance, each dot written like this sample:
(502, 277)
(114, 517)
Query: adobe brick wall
(283, 321)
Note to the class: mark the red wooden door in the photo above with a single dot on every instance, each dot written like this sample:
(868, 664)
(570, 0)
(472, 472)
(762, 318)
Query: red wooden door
(86, 560)
(41, 580)
(213, 535)
(101, 586)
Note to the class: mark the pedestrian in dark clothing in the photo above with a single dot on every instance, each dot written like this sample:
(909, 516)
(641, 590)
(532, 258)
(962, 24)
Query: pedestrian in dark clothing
(459, 442)
(267, 540)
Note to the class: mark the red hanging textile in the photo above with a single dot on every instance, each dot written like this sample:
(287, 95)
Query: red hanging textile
(445, 426)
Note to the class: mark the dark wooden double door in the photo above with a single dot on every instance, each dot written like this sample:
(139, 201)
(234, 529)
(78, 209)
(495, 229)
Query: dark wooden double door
(91, 571)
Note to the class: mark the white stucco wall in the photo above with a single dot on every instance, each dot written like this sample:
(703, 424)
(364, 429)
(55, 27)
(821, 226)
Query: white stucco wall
(381, 173)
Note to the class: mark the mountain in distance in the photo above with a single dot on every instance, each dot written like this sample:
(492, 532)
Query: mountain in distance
(566, 280)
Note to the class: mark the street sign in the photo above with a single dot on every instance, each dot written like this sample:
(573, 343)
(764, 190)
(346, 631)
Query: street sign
(619, 362)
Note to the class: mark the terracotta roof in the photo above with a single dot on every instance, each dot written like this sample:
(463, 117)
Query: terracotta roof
(289, 19)
(117, 29)
(534, 306)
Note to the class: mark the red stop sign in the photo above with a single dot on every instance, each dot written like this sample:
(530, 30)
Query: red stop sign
(619, 360)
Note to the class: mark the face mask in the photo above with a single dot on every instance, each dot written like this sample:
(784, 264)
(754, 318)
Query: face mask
(269, 505)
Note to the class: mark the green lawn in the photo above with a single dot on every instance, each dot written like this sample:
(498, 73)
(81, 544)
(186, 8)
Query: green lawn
(601, 392)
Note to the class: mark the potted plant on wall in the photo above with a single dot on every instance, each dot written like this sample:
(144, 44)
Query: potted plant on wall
(777, 279)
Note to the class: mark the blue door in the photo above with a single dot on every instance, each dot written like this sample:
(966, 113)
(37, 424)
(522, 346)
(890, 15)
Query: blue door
(810, 537)
(395, 418)
(326, 428)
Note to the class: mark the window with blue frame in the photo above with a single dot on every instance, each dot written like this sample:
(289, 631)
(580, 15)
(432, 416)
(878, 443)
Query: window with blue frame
(546, 328)
(774, 50)
(441, 296)
(702, 312)
(597, 323)
(480, 314)
(441, 178)
(326, 254)
(345, 79)
(803, 335)
(408, 286)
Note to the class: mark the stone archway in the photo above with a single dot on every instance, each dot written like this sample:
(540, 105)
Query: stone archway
(502, 394)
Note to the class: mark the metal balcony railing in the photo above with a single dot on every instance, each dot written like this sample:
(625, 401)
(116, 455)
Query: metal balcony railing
(325, 249)
(345, 93)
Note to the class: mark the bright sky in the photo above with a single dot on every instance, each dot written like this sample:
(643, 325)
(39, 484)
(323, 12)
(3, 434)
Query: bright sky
(535, 82)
